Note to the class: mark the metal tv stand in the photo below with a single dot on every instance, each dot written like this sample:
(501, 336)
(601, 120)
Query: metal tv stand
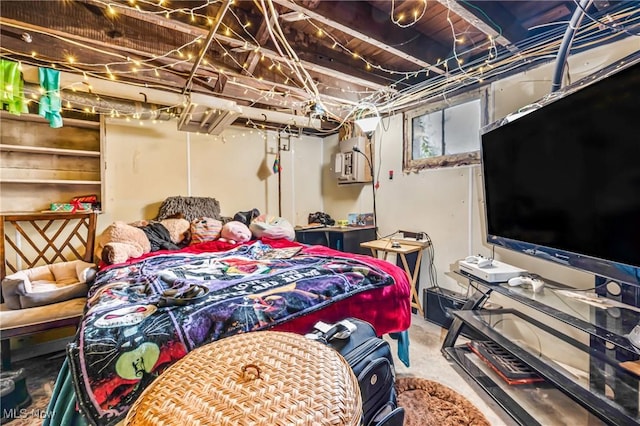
(585, 369)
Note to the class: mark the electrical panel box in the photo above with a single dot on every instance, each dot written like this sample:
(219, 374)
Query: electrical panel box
(353, 163)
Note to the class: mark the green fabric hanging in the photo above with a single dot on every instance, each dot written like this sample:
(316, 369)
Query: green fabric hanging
(11, 85)
(50, 102)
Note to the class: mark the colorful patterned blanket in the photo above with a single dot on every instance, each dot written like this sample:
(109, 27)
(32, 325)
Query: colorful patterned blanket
(132, 331)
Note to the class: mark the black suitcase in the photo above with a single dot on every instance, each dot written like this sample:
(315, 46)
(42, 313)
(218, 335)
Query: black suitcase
(371, 361)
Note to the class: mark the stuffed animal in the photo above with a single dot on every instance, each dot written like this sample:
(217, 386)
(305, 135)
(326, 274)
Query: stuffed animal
(235, 232)
(179, 230)
(122, 241)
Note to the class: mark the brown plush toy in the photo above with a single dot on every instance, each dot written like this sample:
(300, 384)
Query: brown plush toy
(122, 241)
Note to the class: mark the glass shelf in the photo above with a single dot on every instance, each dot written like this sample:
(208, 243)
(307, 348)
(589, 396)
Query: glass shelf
(608, 320)
(528, 404)
(564, 362)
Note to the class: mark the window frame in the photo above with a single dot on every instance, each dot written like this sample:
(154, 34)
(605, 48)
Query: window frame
(409, 164)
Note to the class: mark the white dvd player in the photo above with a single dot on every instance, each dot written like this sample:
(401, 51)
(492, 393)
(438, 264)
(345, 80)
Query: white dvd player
(494, 273)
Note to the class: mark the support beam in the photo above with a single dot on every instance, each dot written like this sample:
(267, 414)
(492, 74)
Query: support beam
(117, 90)
(212, 33)
(358, 35)
(234, 43)
(478, 23)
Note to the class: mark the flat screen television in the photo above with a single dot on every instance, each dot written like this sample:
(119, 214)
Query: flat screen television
(562, 181)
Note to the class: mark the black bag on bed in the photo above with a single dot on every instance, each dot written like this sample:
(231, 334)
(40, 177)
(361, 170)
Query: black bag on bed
(370, 359)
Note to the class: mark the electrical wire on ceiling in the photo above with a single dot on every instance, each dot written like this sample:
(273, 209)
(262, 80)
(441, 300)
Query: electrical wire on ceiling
(304, 90)
(537, 48)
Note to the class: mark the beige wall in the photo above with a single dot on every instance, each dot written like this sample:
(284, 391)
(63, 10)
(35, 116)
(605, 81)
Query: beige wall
(447, 203)
(147, 163)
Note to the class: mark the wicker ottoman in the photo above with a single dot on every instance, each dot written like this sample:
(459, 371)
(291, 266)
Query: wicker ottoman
(259, 378)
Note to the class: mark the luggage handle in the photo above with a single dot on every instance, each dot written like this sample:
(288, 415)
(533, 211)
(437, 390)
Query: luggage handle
(326, 332)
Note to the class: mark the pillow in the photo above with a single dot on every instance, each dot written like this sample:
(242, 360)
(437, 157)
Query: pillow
(273, 227)
(205, 229)
(191, 208)
(64, 273)
(72, 272)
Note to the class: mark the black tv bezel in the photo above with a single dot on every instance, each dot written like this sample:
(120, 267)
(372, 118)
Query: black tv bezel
(629, 274)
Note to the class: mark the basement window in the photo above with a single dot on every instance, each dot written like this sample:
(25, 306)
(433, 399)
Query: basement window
(444, 134)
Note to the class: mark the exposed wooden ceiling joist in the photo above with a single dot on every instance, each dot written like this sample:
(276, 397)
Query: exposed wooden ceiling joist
(464, 13)
(235, 43)
(357, 34)
(203, 51)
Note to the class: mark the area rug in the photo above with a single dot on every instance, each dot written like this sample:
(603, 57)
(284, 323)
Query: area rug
(429, 403)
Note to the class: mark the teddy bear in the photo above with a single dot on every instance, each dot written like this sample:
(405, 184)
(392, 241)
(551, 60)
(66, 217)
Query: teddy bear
(121, 241)
(235, 232)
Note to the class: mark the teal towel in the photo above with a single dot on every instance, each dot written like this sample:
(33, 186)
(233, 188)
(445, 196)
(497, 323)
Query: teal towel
(403, 345)
(50, 102)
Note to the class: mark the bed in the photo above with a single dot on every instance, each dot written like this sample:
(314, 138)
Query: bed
(134, 327)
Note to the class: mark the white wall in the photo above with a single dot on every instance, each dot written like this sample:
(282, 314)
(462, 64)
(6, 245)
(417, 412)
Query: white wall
(447, 203)
(147, 163)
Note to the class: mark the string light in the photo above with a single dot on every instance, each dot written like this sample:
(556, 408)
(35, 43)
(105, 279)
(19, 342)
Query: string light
(492, 63)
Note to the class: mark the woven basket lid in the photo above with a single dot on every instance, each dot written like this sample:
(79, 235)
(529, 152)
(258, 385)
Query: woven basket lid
(258, 378)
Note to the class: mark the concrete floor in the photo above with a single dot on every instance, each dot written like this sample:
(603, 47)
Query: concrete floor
(427, 361)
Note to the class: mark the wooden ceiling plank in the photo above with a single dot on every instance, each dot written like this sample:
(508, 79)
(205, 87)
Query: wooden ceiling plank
(309, 66)
(262, 35)
(357, 34)
(212, 33)
(197, 31)
(459, 9)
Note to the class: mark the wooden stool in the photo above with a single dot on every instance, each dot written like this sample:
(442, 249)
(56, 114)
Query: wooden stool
(402, 249)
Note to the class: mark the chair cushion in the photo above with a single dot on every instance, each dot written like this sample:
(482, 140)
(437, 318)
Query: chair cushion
(15, 318)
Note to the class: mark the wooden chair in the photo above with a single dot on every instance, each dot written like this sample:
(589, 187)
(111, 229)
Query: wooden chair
(33, 239)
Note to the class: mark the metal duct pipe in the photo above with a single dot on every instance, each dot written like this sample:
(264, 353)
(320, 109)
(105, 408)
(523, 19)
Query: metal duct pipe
(567, 41)
(160, 98)
(108, 105)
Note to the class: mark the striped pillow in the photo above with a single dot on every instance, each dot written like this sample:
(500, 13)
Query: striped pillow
(205, 229)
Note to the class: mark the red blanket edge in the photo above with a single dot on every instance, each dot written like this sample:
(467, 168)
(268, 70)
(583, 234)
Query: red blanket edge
(387, 309)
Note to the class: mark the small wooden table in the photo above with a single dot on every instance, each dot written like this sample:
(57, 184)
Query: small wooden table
(384, 246)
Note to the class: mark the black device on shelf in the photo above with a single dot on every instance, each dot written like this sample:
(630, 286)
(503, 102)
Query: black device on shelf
(509, 368)
(439, 302)
(561, 180)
